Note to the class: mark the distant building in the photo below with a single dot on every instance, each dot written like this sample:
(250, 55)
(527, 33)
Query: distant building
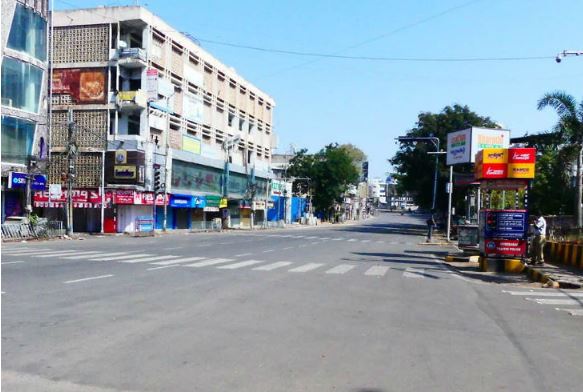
(24, 101)
(150, 100)
(280, 164)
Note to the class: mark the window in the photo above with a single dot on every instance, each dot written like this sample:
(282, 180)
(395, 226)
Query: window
(17, 138)
(28, 33)
(241, 123)
(21, 85)
(134, 124)
(231, 119)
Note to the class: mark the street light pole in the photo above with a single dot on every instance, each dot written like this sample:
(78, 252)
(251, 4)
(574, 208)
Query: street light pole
(435, 141)
(167, 161)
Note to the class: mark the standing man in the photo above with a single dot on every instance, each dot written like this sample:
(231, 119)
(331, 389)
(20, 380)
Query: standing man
(540, 232)
(430, 225)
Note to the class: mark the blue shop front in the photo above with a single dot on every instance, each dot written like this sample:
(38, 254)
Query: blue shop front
(185, 211)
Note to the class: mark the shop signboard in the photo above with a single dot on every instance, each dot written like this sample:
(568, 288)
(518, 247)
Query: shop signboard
(192, 108)
(82, 198)
(17, 180)
(522, 155)
(191, 144)
(199, 201)
(55, 192)
(181, 201)
(504, 247)
(213, 201)
(83, 85)
(124, 197)
(505, 224)
(224, 203)
(259, 205)
(492, 155)
(148, 199)
(125, 172)
(504, 184)
(521, 170)
(152, 84)
(491, 171)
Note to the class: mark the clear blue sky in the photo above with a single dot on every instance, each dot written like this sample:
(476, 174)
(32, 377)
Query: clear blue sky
(370, 103)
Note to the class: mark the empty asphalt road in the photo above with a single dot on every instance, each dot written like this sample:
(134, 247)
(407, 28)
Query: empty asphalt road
(362, 307)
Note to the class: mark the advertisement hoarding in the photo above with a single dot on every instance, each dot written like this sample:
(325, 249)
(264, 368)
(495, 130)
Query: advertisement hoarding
(504, 247)
(505, 224)
(462, 146)
(83, 85)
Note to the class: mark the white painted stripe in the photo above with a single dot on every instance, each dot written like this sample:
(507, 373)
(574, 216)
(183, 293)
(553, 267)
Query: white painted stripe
(68, 255)
(364, 240)
(415, 273)
(337, 239)
(55, 253)
(12, 262)
(299, 236)
(340, 269)
(243, 254)
(572, 312)
(95, 255)
(380, 242)
(164, 266)
(325, 238)
(287, 248)
(178, 261)
(142, 260)
(86, 279)
(306, 267)
(351, 240)
(241, 264)
(544, 294)
(314, 243)
(268, 250)
(115, 258)
(23, 251)
(377, 270)
(552, 301)
(208, 262)
(272, 266)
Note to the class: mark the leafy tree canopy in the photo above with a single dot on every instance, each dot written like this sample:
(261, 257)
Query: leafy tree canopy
(415, 167)
(330, 171)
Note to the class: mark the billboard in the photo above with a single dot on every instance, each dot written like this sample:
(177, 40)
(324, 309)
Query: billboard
(459, 147)
(192, 108)
(83, 85)
(462, 146)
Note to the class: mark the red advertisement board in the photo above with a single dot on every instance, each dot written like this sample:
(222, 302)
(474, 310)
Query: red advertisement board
(491, 171)
(508, 248)
(82, 198)
(130, 197)
(84, 85)
(522, 155)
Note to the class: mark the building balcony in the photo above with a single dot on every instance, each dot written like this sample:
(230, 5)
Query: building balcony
(131, 100)
(132, 57)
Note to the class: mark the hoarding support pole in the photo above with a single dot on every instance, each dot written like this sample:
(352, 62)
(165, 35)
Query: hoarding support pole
(449, 196)
(70, 171)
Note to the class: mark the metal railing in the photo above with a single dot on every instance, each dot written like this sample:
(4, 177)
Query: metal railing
(23, 231)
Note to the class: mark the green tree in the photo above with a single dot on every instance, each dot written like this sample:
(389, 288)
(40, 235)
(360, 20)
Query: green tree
(548, 194)
(330, 171)
(570, 129)
(356, 154)
(415, 167)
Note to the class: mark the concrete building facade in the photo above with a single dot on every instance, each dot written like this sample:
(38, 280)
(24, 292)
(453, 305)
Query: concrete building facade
(148, 102)
(24, 102)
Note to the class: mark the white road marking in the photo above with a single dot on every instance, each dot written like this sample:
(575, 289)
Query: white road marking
(12, 262)
(272, 266)
(364, 240)
(337, 239)
(299, 236)
(241, 264)
(351, 240)
(314, 243)
(115, 258)
(380, 242)
(306, 267)
(23, 251)
(302, 246)
(243, 254)
(208, 262)
(340, 269)
(145, 259)
(55, 253)
(95, 255)
(415, 273)
(68, 255)
(178, 261)
(287, 248)
(268, 250)
(325, 238)
(572, 312)
(377, 270)
(543, 293)
(164, 266)
(86, 279)
(552, 301)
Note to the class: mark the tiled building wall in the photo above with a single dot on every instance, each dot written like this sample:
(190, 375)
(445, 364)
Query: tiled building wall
(78, 44)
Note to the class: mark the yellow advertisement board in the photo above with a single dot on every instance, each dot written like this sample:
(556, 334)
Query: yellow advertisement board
(521, 170)
(494, 155)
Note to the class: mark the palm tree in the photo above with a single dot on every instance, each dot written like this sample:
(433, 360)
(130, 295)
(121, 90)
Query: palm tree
(570, 130)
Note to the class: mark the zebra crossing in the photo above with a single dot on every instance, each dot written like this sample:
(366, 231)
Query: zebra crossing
(567, 301)
(316, 240)
(236, 262)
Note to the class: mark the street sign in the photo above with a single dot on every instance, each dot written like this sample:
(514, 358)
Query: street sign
(505, 224)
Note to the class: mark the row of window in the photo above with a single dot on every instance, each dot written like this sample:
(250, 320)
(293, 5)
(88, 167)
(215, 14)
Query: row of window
(17, 139)
(28, 33)
(21, 85)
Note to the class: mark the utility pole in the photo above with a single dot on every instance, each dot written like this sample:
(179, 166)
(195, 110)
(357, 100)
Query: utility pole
(449, 196)
(71, 151)
(167, 161)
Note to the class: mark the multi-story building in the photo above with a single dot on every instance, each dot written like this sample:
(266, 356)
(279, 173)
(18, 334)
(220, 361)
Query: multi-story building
(24, 102)
(153, 103)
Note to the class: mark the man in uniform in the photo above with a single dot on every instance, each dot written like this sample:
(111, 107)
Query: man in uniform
(540, 232)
